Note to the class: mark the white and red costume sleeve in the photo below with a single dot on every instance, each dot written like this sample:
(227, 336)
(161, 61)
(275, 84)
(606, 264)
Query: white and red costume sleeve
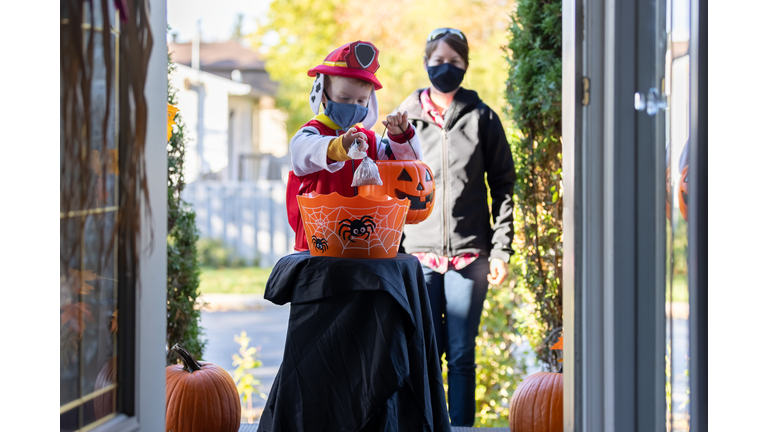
(404, 146)
(309, 149)
(309, 152)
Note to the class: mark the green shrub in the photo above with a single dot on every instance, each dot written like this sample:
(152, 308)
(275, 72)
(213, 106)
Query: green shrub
(499, 369)
(530, 306)
(534, 106)
(215, 253)
(182, 312)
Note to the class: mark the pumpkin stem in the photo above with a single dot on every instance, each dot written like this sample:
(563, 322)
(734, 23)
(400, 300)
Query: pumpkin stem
(190, 362)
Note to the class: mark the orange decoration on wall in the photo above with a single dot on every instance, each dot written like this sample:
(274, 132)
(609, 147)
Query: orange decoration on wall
(683, 194)
(172, 110)
(558, 345)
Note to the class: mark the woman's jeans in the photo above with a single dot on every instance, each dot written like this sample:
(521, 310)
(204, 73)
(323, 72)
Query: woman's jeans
(456, 299)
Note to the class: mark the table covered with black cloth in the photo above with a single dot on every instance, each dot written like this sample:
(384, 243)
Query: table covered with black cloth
(361, 353)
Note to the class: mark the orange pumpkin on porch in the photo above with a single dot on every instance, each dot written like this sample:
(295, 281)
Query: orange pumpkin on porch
(537, 404)
(410, 179)
(200, 397)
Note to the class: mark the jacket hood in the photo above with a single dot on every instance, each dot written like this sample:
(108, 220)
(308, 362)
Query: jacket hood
(463, 102)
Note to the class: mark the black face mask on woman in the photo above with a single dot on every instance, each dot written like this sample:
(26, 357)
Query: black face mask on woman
(445, 77)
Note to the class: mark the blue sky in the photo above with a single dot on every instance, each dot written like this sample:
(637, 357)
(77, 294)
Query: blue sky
(217, 17)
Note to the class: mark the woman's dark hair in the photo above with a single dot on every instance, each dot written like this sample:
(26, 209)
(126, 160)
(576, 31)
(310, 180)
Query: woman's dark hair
(455, 42)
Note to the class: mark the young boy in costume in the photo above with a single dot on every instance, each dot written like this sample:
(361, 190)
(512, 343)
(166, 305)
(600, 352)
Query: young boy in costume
(345, 85)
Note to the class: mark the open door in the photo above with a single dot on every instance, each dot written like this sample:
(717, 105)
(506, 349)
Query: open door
(631, 100)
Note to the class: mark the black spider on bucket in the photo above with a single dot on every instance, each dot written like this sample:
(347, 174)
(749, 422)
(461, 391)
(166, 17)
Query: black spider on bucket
(356, 228)
(320, 244)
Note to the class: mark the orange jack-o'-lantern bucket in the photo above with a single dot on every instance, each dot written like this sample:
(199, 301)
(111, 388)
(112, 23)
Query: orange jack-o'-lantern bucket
(356, 227)
(411, 179)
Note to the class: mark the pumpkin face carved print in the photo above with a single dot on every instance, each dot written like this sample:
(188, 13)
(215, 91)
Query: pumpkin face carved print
(411, 179)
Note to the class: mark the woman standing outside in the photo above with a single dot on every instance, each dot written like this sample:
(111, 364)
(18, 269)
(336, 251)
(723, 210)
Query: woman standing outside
(460, 249)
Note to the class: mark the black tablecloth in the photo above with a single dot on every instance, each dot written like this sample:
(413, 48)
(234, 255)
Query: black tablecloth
(361, 351)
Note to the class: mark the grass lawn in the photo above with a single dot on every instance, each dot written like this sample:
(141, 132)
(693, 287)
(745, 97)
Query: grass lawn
(252, 280)
(246, 280)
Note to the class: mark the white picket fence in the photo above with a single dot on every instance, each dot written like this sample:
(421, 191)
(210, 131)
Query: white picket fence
(250, 216)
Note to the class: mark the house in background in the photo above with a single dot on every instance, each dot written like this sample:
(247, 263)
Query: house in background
(237, 156)
(227, 101)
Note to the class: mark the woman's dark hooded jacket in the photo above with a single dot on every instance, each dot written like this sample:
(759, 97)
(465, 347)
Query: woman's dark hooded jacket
(471, 144)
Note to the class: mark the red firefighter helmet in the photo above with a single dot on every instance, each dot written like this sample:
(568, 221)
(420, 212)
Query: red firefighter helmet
(354, 60)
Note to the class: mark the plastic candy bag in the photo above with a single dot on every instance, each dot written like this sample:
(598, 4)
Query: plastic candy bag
(357, 150)
(367, 174)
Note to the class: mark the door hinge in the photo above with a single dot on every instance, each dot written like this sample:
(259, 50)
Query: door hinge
(585, 91)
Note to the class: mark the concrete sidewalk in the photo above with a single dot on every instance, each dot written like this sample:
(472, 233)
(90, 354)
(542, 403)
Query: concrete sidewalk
(234, 302)
(226, 315)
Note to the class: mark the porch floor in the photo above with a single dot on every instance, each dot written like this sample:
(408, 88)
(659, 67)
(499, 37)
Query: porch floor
(245, 427)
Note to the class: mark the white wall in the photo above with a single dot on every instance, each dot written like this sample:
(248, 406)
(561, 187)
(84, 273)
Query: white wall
(242, 110)
(273, 137)
(206, 102)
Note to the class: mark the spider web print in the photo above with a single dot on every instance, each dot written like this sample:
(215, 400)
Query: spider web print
(325, 222)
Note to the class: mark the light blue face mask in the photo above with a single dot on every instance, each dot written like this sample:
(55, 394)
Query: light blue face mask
(345, 115)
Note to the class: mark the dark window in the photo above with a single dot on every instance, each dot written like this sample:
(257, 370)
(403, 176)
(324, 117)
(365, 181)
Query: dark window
(89, 247)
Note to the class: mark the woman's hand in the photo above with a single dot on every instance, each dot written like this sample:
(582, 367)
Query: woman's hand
(397, 123)
(349, 138)
(498, 272)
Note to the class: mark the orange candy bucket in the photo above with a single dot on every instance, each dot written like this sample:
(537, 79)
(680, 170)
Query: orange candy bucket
(409, 179)
(354, 227)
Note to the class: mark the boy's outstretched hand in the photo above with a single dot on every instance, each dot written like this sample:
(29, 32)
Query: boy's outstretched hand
(396, 123)
(350, 136)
